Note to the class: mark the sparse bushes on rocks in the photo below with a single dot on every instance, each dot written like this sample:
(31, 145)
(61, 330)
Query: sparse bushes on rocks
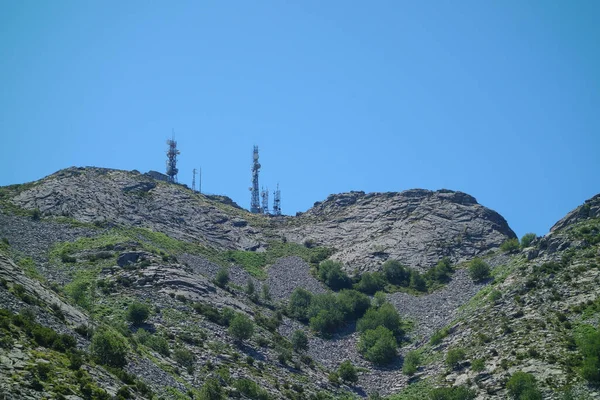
(589, 347)
(347, 372)
(453, 393)
(479, 270)
(510, 245)
(386, 316)
(378, 345)
(241, 327)
(437, 337)
(109, 348)
(330, 272)
(454, 357)
(523, 386)
(299, 341)
(396, 273)
(478, 365)
(527, 239)
(440, 273)
(185, 358)
(137, 313)
(371, 282)
(222, 277)
(299, 303)
(411, 363)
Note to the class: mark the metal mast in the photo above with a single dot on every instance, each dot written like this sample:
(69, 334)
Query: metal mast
(277, 201)
(194, 180)
(254, 201)
(200, 181)
(265, 201)
(172, 160)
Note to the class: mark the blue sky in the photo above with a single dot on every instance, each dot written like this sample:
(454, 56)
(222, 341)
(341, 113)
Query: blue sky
(497, 99)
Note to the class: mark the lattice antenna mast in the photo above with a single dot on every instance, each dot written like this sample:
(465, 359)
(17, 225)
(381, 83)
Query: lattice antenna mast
(172, 159)
(265, 201)
(200, 181)
(194, 180)
(277, 201)
(254, 201)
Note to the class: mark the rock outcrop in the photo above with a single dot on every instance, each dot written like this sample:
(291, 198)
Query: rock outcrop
(417, 227)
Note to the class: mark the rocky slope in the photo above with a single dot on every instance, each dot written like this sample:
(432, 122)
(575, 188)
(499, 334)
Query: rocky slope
(95, 248)
(416, 227)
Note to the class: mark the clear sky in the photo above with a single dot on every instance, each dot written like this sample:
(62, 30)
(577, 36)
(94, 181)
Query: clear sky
(499, 99)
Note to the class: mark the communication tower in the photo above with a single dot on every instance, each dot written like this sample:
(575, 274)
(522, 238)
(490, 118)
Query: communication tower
(265, 201)
(254, 201)
(200, 181)
(194, 180)
(277, 201)
(172, 160)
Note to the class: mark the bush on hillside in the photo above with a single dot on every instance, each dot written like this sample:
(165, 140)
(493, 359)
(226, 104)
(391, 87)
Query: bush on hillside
(299, 341)
(453, 393)
(411, 363)
(454, 357)
(137, 313)
(299, 303)
(386, 316)
(510, 245)
(347, 372)
(378, 345)
(479, 270)
(109, 348)
(396, 273)
(241, 327)
(523, 386)
(527, 239)
(222, 277)
(417, 282)
(441, 272)
(330, 272)
(371, 282)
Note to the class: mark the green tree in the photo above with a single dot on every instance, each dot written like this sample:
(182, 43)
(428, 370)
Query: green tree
(299, 341)
(411, 363)
(371, 282)
(527, 239)
(353, 304)
(108, 347)
(222, 277)
(378, 345)
(299, 303)
(396, 273)
(250, 289)
(266, 292)
(185, 358)
(212, 390)
(417, 282)
(331, 273)
(379, 299)
(589, 347)
(137, 313)
(479, 270)
(347, 372)
(523, 386)
(241, 327)
(454, 358)
(510, 245)
(386, 316)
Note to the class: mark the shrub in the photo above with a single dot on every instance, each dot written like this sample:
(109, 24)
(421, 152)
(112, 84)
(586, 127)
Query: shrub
(454, 358)
(250, 389)
(137, 313)
(353, 304)
(266, 292)
(527, 239)
(283, 355)
(379, 299)
(478, 365)
(371, 282)
(299, 341)
(589, 347)
(347, 372)
(510, 245)
(299, 303)
(109, 348)
(396, 273)
(330, 272)
(75, 360)
(411, 363)
(386, 316)
(36, 214)
(441, 272)
(326, 321)
(185, 358)
(522, 386)
(158, 344)
(417, 282)
(241, 327)
(250, 289)
(378, 345)
(222, 277)
(212, 390)
(454, 393)
(479, 270)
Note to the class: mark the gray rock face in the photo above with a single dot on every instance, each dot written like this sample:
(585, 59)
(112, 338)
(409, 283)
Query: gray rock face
(417, 227)
(589, 209)
(133, 199)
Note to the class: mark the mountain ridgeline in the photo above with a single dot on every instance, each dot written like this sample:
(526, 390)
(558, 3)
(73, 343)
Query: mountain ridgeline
(116, 285)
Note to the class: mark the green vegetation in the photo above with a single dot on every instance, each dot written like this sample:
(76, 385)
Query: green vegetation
(347, 372)
(589, 347)
(412, 360)
(371, 282)
(527, 239)
(378, 345)
(299, 303)
(522, 386)
(222, 277)
(479, 270)
(396, 273)
(299, 341)
(454, 357)
(241, 327)
(330, 272)
(478, 365)
(109, 348)
(454, 393)
(386, 316)
(212, 390)
(510, 245)
(251, 390)
(137, 313)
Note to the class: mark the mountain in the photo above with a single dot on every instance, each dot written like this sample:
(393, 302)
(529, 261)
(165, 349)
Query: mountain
(115, 284)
